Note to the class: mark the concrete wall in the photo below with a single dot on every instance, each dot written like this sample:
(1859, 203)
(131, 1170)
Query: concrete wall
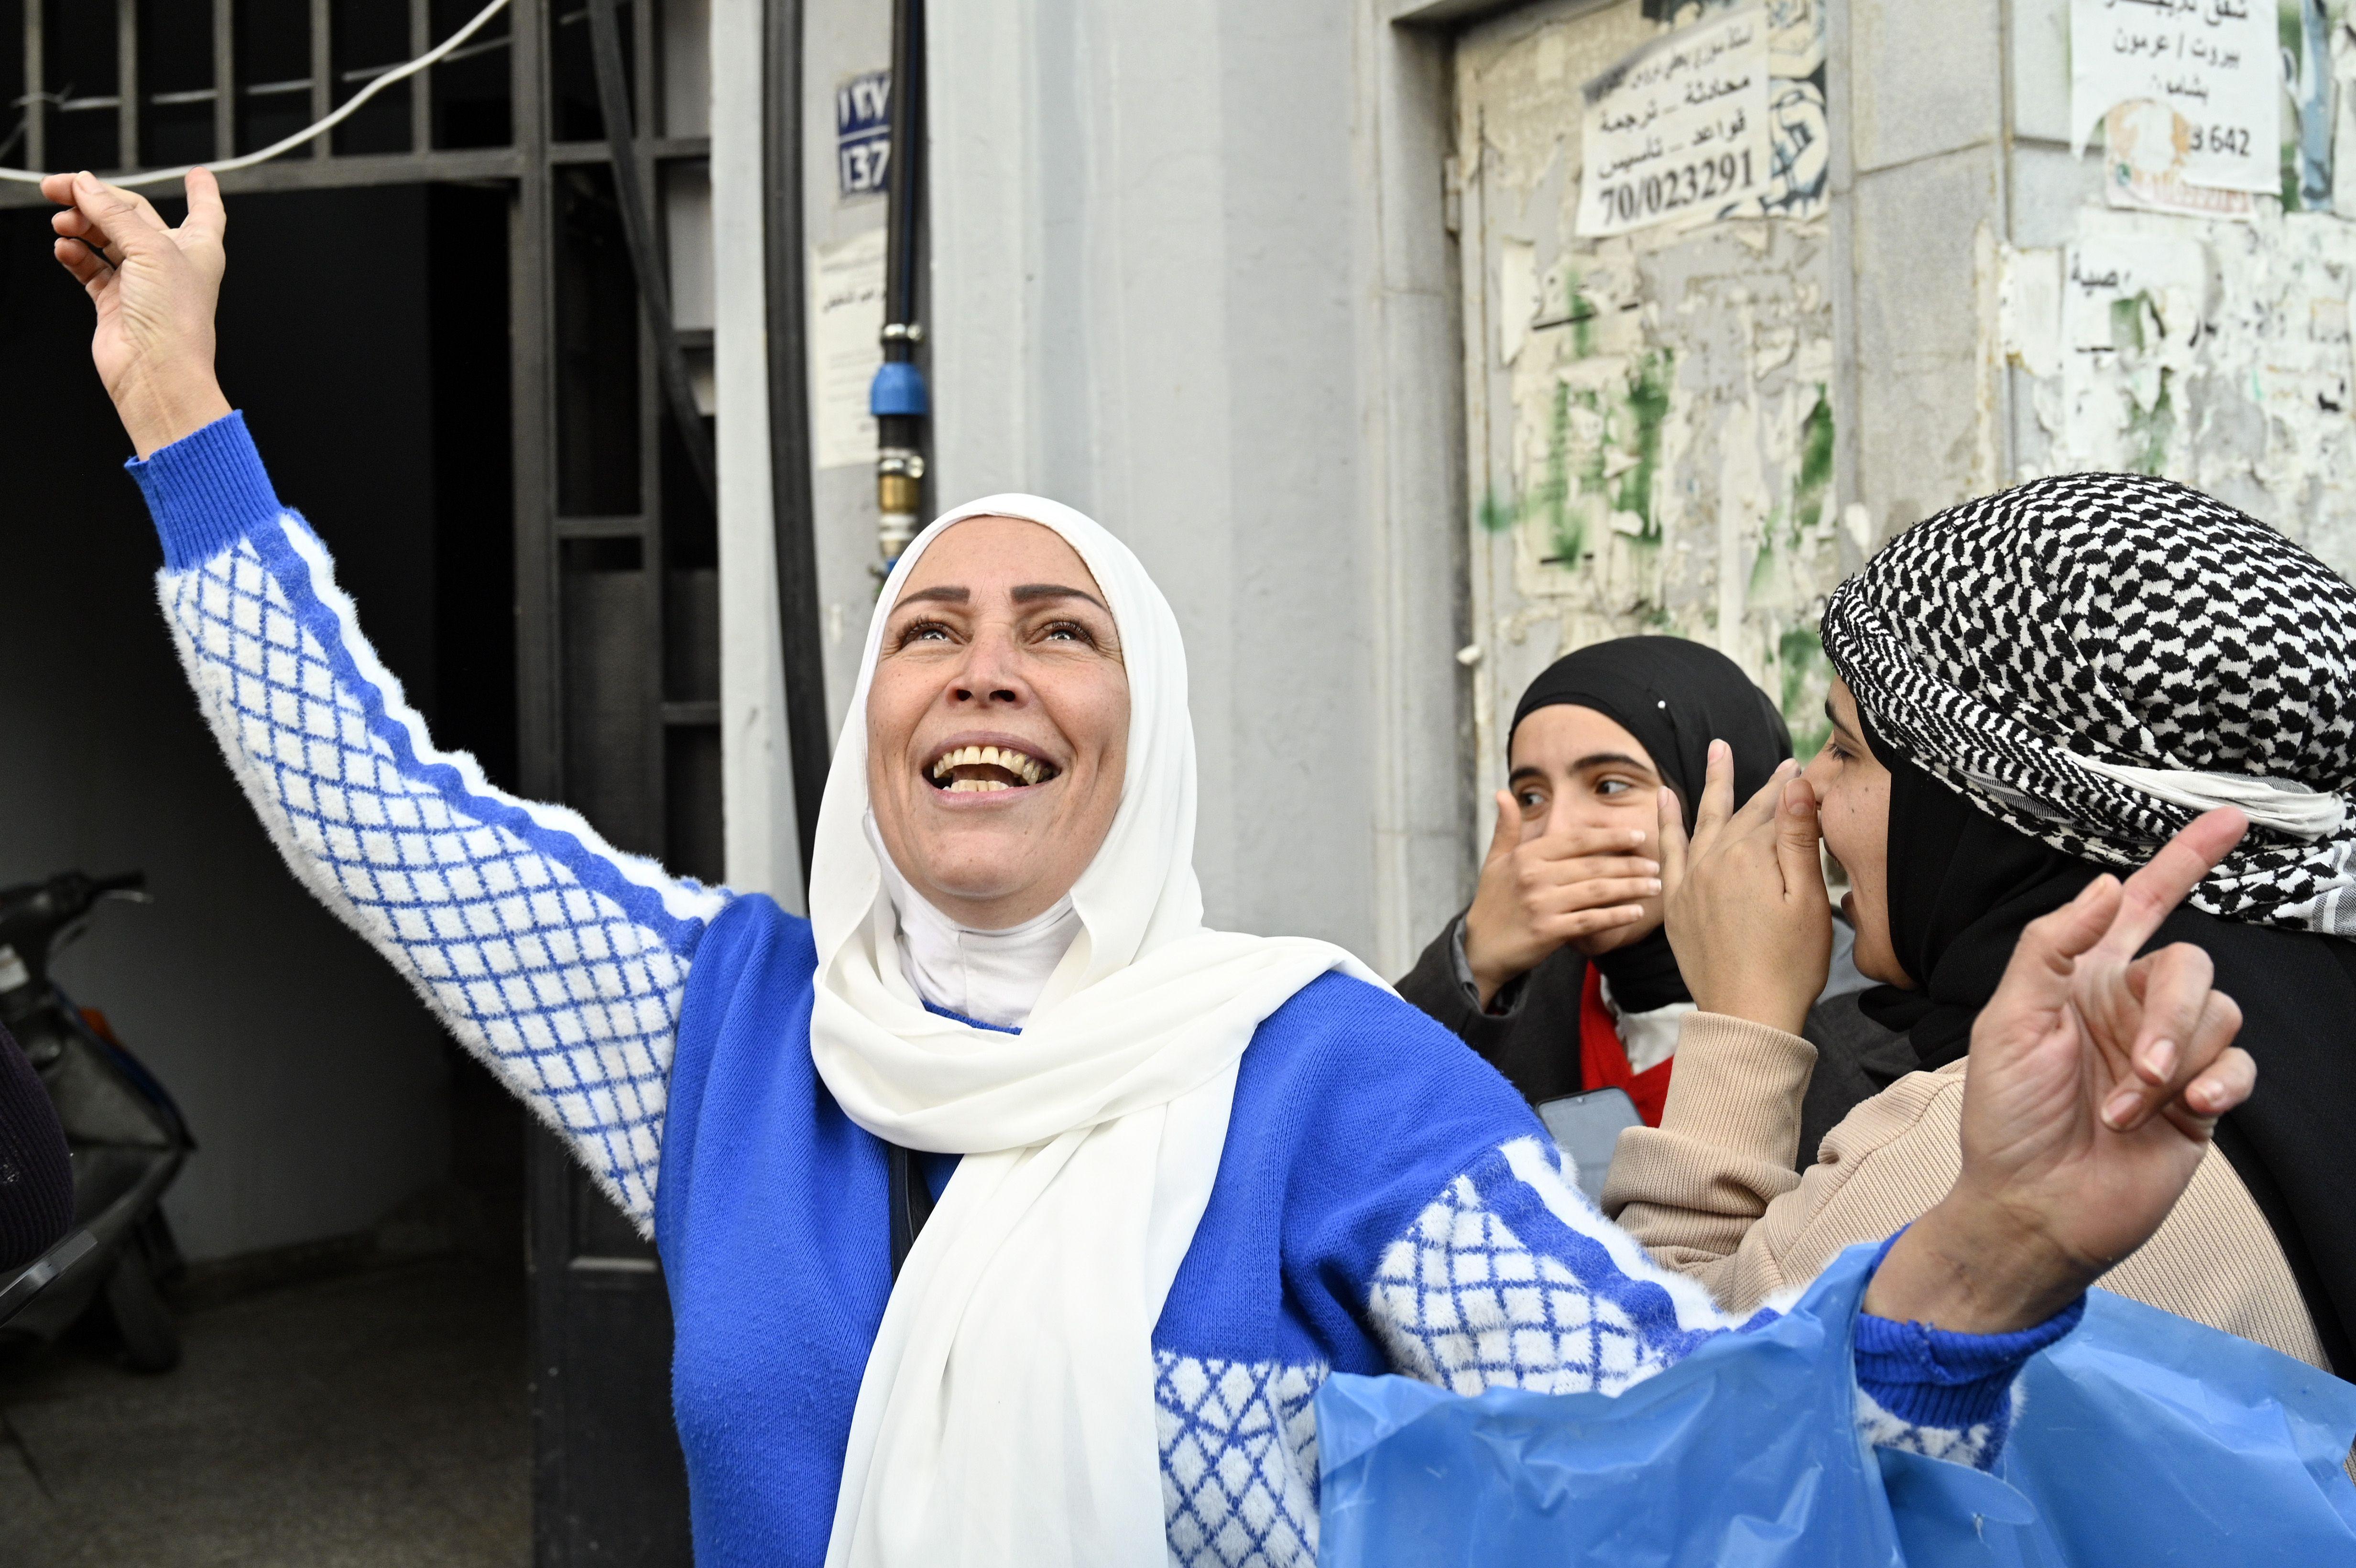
(314, 1079)
(1190, 276)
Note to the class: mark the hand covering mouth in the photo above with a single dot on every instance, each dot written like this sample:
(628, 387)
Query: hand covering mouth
(964, 770)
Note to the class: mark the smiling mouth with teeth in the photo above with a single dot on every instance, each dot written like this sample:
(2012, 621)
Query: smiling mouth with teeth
(969, 770)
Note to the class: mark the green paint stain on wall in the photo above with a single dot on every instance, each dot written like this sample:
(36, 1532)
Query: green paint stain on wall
(2127, 323)
(2148, 430)
(1762, 565)
(1815, 463)
(1800, 660)
(1648, 408)
(1494, 516)
(1550, 501)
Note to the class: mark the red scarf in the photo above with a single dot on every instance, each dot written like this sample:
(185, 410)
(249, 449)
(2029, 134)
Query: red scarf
(1603, 1061)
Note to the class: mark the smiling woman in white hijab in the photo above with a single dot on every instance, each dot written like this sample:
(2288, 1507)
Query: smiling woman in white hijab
(1175, 1177)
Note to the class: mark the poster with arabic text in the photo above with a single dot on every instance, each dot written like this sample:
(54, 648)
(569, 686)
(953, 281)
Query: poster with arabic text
(1679, 129)
(2199, 84)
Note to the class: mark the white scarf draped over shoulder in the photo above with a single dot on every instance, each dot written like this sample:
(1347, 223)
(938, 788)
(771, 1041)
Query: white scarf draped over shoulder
(1006, 1415)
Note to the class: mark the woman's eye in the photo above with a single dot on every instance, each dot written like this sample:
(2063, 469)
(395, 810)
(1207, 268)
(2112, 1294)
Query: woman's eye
(1611, 787)
(1070, 632)
(922, 631)
(1530, 800)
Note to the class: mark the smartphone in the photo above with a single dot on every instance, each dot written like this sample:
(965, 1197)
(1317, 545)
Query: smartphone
(1587, 1128)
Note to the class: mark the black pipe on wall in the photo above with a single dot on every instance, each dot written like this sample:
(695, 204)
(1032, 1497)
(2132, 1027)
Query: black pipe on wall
(789, 448)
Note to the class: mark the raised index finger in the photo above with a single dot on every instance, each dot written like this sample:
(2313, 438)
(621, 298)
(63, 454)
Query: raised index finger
(2163, 881)
(1717, 801)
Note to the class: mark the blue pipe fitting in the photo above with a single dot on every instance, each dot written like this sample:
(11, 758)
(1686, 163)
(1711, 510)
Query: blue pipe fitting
(898, 390)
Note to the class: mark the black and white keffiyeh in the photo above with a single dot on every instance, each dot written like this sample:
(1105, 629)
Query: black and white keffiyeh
(2096, 658)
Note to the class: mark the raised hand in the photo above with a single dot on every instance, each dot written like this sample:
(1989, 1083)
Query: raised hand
(2096, 1080)
(1536, 896)
(1747, 912)
(155, 287)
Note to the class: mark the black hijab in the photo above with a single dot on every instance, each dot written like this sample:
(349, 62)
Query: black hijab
(1675, 696)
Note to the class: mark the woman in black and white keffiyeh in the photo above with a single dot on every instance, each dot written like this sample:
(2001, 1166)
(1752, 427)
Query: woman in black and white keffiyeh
(2055, 680)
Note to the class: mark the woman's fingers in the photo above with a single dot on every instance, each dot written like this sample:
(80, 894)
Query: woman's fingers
(1509, 828)
(207, 214)
(2046, 957)
(1717, 797)
(2206, 1035)
(1591, 893)
(1588, 922)
(1673, 841)
(89, 270)
(2162, 883)
(2174, 984)
(2222, 1086)
(2225, 1086)
(1799, 844)
(1541, 879)
(129, 224)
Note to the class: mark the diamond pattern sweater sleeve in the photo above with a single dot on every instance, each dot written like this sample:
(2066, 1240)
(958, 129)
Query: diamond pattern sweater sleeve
(556, 959)
(1511, 1278)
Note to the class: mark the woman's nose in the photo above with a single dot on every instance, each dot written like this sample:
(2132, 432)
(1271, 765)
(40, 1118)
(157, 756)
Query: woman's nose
(1566, 814)
(1819, 771)
(991, 674)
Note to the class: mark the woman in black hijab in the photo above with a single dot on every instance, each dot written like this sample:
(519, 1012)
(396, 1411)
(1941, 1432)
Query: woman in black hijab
(2055, 680)
(1559, 972)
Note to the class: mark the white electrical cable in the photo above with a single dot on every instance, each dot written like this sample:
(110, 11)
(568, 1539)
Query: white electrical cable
(351, 106)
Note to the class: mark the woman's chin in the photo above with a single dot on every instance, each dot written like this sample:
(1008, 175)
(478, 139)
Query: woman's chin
(977, 868)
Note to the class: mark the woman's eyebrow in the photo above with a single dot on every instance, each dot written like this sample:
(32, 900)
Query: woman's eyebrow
(1609, 759)
(1834, 719)
(944, 594)
(1028, 593)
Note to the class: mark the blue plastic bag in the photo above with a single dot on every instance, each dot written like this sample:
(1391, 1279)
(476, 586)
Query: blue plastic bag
(2144, 1440)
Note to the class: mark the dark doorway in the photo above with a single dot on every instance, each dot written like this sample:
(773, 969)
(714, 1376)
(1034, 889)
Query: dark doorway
(366, 335)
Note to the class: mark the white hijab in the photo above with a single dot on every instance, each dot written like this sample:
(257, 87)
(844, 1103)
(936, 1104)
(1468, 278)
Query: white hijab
(1006, 1416)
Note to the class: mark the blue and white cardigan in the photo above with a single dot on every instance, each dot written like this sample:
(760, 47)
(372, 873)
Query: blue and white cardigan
(1386, 1201)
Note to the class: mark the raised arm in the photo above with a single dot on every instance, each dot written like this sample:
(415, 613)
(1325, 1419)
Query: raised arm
(556, 959)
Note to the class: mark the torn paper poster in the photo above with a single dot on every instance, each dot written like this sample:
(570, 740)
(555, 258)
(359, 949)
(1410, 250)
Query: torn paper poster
(2143, 166)
(2249, 400)
(846, 314)
(1679, 129)
(2213, 66)
(2028, 310)
(2131, 313)
(2342, 53)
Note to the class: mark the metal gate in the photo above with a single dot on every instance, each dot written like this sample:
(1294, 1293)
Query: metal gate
(615, 549)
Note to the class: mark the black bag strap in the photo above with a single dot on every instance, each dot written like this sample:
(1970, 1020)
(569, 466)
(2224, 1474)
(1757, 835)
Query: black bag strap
(912, 1204)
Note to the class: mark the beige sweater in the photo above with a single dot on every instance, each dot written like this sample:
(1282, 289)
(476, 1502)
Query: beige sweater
(1711, 1190)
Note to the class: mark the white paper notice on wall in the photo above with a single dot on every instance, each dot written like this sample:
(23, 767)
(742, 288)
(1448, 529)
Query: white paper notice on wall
(2214, 66)
(1678, 131)
(846, 314)
(2133, 311)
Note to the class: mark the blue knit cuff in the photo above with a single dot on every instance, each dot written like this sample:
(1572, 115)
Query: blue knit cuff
(1933, 1378)
(206, 491)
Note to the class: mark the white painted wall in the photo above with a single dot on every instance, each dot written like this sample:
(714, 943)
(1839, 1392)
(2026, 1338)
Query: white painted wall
(1190, 275)
(756, 762)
